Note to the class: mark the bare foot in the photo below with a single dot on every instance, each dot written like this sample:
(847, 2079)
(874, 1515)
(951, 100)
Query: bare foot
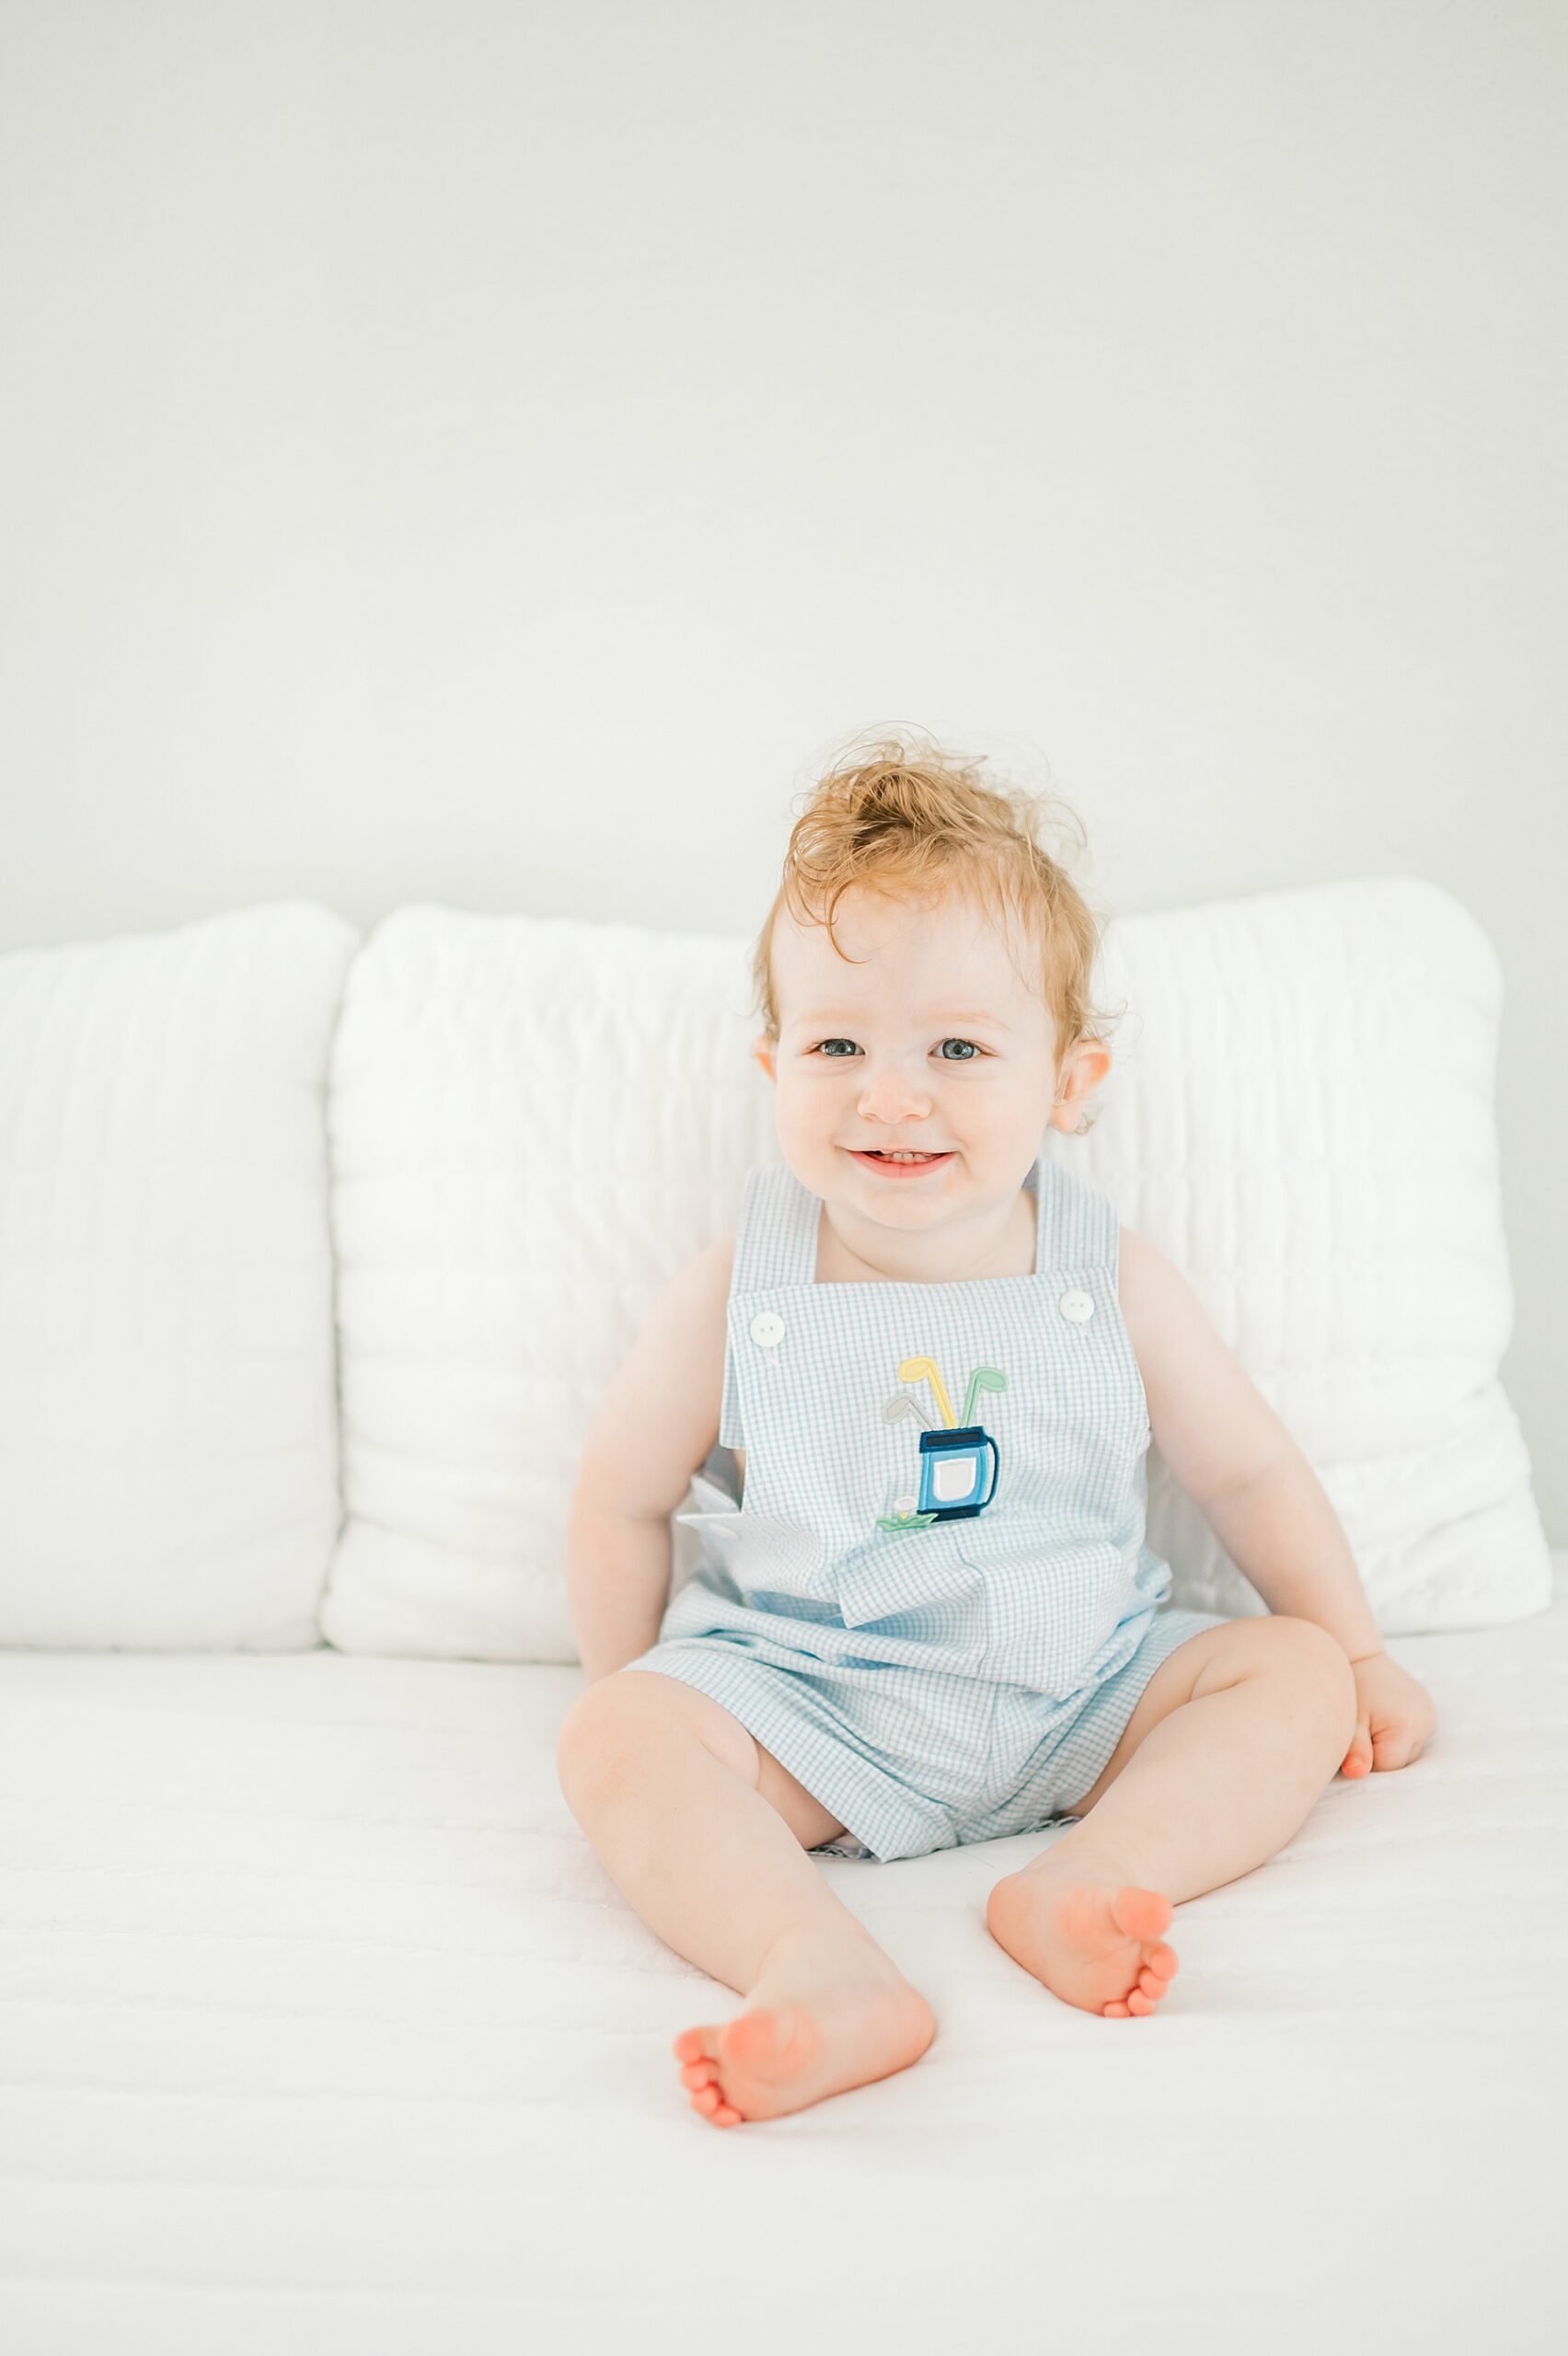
(1093, 1940)
(823, 2017)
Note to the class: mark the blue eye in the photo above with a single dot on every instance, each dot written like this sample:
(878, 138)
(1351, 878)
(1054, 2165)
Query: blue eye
(972, 1057)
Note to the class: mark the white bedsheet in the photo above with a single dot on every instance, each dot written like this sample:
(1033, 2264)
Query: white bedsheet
(325, 2030)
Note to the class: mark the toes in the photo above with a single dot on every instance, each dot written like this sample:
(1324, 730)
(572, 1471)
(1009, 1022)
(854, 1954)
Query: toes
(1151, 1984)
(699, 2075)
(708, 2101)
(1163, 1960)
(1139, 2002)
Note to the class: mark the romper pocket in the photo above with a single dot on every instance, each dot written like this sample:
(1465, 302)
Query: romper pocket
(897, 1575)
(1051, 1607)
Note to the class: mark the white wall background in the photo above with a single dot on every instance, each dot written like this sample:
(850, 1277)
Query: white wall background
(487, 453)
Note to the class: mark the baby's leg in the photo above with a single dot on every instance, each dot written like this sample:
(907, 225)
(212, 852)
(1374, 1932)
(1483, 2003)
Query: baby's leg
(1233, 1739)
(665, 1784)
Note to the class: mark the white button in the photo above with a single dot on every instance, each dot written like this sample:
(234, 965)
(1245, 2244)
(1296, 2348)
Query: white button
(766, 1328)
(1076, 1305)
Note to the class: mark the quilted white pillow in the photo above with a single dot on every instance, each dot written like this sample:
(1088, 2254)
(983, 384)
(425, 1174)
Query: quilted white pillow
(168, 1443)
(534, 1123)
(1304, 1122)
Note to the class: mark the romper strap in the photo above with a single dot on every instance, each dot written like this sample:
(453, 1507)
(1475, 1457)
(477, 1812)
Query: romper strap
(1080, 1223)
(775, 1244)
(776, 1233)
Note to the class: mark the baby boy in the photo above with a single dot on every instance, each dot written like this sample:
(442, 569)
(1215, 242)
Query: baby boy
(920, 1630)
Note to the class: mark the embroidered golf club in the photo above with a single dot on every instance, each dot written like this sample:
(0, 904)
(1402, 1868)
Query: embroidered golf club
(924, 1370)
(953, 1461)
(984, 1377)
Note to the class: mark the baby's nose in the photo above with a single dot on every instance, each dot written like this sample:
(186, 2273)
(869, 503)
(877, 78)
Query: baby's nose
(892, 1094)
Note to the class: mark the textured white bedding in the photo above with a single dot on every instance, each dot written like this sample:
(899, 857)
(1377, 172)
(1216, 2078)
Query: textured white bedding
(325, 2030)
(1300, 1113)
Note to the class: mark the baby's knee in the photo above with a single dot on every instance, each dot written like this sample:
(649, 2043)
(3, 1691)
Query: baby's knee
(1321, 1671)
(617, 1732)
(601, 1737)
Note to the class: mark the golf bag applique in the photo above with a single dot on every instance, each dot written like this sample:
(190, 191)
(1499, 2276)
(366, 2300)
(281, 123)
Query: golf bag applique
(946, 1485)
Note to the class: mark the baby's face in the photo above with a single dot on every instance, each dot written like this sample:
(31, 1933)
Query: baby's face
(934, 1042)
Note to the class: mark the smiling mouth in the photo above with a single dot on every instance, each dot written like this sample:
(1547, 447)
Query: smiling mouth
(898, 1160)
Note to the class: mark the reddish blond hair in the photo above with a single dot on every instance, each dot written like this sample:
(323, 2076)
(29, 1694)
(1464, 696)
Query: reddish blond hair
(921, 823)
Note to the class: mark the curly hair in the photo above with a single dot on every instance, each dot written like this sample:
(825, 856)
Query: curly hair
(897, 818)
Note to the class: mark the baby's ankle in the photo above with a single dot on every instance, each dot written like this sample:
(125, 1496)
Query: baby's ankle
(817, 1949)
(1096, 1861)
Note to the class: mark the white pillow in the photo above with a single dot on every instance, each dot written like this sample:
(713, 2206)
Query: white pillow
(1303, 1121)
(534, 1123)
(168, 1436)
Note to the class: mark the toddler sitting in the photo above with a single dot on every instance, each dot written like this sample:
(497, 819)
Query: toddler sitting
(927, 1623)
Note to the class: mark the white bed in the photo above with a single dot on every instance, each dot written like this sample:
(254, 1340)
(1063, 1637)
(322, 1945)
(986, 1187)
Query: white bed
(325, 2030)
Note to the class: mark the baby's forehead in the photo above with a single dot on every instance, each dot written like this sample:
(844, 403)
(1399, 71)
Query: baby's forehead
(953, 948)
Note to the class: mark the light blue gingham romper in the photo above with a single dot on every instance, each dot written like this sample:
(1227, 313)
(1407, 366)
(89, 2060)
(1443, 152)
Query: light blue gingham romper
(937, 1610)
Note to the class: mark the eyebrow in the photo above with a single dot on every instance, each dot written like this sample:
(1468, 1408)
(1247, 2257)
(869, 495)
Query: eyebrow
(950, 1014)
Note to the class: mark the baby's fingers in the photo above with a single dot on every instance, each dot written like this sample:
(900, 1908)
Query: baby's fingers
(1395, 1747)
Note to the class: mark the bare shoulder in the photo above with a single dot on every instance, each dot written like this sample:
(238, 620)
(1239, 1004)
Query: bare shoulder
(1148, 1286)
(709, 1272)
(658, 1419)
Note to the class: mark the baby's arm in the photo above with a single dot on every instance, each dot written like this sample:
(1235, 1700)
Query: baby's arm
(656, 1425)
(1230, 1452)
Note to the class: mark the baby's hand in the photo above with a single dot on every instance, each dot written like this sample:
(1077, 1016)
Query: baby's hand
(1393, 1716)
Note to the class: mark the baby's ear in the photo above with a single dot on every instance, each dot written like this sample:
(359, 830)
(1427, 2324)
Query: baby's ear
(763, 1049)
(1085, 1071)
(1081, 1074)
(1094, 1063)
